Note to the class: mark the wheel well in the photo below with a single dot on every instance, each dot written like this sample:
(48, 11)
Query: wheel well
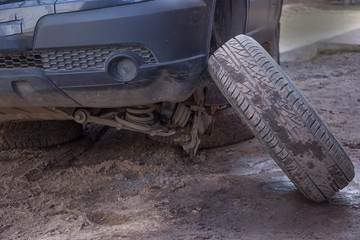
(229, 21)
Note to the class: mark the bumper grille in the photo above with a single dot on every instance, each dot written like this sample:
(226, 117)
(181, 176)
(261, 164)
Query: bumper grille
(28, 60)
(71, 59)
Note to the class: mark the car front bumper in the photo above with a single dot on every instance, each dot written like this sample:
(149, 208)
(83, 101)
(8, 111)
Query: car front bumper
(69, 64)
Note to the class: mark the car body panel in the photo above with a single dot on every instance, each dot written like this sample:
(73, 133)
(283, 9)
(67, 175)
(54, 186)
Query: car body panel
(18, 19)
(62, 6)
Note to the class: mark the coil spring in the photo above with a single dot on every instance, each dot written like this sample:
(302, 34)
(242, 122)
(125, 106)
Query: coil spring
(181, 115)
(140, 114)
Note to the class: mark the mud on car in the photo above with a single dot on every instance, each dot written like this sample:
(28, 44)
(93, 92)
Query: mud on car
(195, 73)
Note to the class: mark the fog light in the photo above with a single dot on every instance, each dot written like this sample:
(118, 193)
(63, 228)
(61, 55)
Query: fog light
(124, 68)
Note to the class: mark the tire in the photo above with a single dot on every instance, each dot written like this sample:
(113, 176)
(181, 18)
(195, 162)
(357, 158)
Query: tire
(228, 129)
(37, 134)
(277, 113)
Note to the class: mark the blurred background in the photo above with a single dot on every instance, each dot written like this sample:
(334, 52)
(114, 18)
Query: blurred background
(312, 26)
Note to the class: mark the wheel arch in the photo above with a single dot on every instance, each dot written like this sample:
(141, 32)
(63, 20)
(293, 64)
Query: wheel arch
(230, 17)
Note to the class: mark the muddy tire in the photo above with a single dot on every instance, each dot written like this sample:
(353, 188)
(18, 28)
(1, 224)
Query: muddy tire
(37, 134)
(228, 129)
(280, 116)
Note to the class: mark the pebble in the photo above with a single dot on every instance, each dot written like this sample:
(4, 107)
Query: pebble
(120, 177)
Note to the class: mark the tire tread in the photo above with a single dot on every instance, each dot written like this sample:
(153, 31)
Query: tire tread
(291, 122)
(37, 134)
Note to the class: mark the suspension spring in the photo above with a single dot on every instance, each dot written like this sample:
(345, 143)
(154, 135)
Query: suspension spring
(140, 114)
(181, 115)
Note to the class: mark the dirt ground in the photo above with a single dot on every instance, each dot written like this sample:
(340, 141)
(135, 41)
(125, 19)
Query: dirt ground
(121, 185)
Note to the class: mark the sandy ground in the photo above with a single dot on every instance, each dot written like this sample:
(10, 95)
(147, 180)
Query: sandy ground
(121, 185)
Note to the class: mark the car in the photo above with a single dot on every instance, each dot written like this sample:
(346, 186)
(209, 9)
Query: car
(169, 69)
(57, 57)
